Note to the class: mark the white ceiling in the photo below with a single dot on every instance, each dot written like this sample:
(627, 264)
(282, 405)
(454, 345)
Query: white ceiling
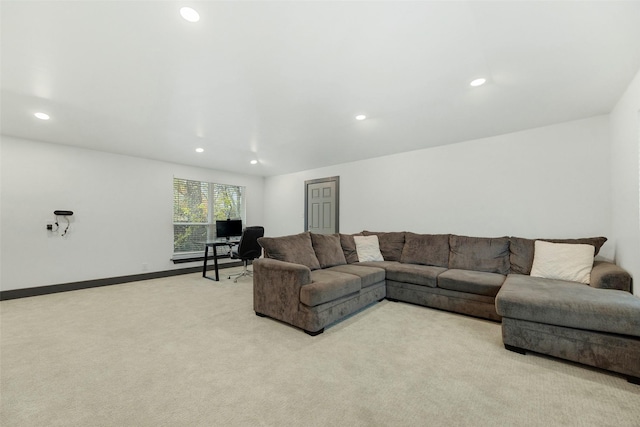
(282, 81)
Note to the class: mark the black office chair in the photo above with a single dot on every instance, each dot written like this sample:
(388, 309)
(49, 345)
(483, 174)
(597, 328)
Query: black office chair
(248, 249)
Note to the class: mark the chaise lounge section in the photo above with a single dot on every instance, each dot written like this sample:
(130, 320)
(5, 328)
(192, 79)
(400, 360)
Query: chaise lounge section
(596, 327)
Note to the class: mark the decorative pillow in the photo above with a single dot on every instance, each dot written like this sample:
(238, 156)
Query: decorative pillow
(328, 249)
(349, 247)
(426, 249)
(368, 248)
(391, 244)
(488, 254)
(521, 257)
(296, 249)
(563, 261)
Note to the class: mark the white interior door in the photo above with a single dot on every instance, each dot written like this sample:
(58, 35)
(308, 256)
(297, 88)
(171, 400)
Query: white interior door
(322, 206)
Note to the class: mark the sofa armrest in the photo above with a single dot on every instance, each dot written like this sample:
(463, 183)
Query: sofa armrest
(276, 288)
(606, 275)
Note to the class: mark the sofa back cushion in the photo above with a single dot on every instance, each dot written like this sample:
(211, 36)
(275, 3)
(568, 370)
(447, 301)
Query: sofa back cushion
(391, 244)
(522, 250)
(488, 254)
(296, 248)
(328, 249)
(426, 249)
(349, 247)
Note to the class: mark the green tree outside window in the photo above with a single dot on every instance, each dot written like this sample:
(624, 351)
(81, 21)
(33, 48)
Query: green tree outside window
(195, 211)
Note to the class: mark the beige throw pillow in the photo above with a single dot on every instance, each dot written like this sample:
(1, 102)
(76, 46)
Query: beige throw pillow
(368, 248)
(563, 261)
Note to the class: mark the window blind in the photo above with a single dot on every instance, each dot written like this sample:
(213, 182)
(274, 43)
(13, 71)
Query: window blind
(196, 207)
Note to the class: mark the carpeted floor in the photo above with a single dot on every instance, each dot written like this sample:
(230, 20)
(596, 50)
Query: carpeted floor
(187, 351)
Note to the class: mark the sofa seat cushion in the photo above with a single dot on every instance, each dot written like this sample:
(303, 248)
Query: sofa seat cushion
(569, 304)
(368, 275)
(379, 264)
(424, 275)
(327, 286)
(472, 282)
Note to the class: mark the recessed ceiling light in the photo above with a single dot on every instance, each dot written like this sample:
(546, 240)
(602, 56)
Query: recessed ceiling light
(42, 116)
(254, 162)
(189, 14)
(478, 82)
(361, 117)
(199, 150)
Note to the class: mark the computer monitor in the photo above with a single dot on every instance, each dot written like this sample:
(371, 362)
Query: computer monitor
(229, 228)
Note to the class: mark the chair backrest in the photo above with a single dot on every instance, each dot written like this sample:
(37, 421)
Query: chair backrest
(249, 247)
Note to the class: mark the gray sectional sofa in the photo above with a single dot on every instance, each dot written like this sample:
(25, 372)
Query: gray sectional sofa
(312, 280)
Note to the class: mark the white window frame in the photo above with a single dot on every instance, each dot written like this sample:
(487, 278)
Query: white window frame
(211, 218)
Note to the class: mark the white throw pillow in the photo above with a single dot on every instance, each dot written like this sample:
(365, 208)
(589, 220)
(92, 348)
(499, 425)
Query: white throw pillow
(563, 261)
(368, 248)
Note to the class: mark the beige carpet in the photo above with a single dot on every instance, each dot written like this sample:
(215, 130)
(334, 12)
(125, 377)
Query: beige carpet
(186, 351)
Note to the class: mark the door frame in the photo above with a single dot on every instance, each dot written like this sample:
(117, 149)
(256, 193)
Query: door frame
(335, 179)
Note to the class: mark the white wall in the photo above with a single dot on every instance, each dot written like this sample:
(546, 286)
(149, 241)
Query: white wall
(625, 158)
(547, 182)
(122, 212)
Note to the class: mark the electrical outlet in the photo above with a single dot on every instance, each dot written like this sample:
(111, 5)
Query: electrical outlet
(50, 226)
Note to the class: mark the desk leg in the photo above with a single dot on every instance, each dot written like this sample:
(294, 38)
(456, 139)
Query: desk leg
(206, 255)
(215, 262)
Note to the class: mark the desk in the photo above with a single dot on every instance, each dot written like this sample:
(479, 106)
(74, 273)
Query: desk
(214, 244)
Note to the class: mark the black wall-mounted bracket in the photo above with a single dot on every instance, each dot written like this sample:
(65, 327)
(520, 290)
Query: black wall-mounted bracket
(66, 215)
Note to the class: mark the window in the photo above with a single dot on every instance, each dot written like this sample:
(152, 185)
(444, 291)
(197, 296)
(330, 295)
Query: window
(196, 207)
